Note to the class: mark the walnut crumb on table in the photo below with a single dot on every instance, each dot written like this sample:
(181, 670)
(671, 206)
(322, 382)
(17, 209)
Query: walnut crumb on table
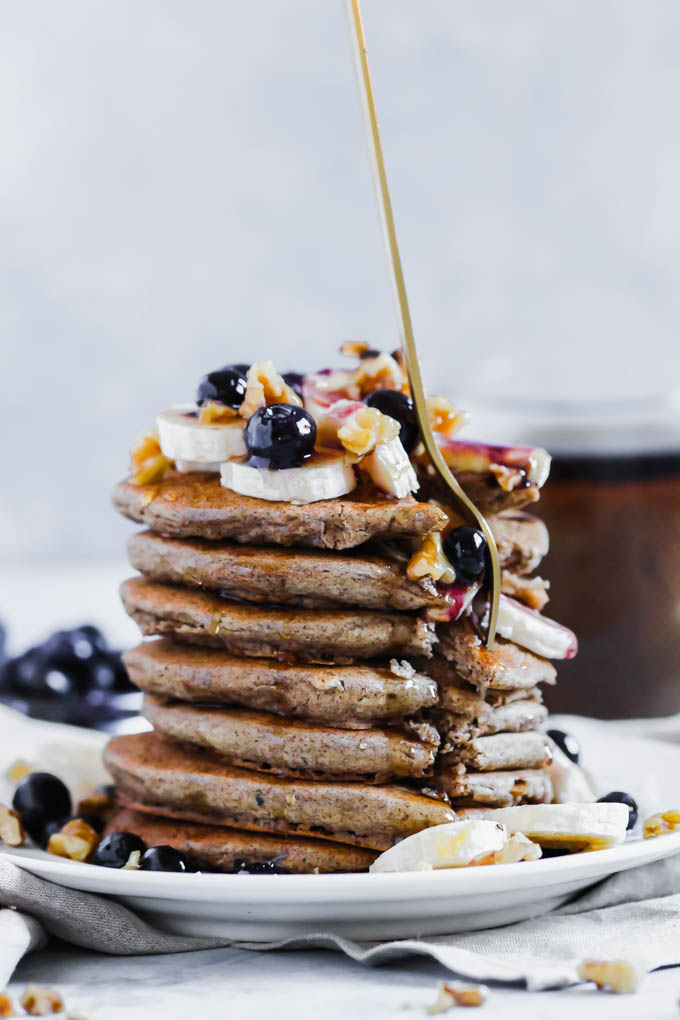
(39, 1001)
(457, 993)
(6, 1006)
(620, 976)
(661, 824)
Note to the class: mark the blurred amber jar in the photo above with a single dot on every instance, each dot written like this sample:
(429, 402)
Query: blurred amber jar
(612, 506)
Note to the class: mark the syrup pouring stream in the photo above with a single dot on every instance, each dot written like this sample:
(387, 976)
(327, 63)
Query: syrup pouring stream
(407, 339)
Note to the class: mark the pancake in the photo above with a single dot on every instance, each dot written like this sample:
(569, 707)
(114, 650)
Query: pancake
(461, 698)
(292, 747)
(215, 848)
(161, 777)
(503, 667)
(500, 789)
(515, 717)
(346, 696)
(527, 750)
(522, 540)
(196, 505)
(317, 635)
(281, 576)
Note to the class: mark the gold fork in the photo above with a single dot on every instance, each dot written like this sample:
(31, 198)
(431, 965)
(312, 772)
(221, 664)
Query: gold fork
(407, 339)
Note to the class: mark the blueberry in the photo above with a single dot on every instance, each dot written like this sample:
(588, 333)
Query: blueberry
(226, 385)
(164, 858)
(370, 353)
(68, 647)
(400, 407)
(618, 797)
(465, 547)
(26, 673)
(294, 380)
(94, 636)
(243, 867)
(567, 744)
(281, 436)
(41, 798)
(114, 850)
(3, 639)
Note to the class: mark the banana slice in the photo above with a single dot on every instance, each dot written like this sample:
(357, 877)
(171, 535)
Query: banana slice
(539, 634)
(390, 469)
(185, 467)
(569, 781)
(566, 826)
(183, 437)
(324, 476)
(452, 845)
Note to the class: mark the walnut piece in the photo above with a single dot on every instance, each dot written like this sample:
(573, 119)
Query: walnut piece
(429, 560)
(402, 668)
(457, 993)
(518, 848)
(212, 412)
(11, 830)
(264, 387)
(132, 863)
(18, 770)
(444, 416)
(39, 1001)
(365, 429)
(508, 478)
(661, 824)
(76, 841)
(6, 1006)
(147, 462)
(100, 803)
(620, 976)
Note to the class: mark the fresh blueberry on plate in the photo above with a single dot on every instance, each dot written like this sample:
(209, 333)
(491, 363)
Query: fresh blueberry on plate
(619, 797)
(243, 867)
(400, 407)
(465, 547)
(226, 386)
(281, 436)
(114, 850)
(567, 744)
(164, 858)
(40, 798)
(294, 380)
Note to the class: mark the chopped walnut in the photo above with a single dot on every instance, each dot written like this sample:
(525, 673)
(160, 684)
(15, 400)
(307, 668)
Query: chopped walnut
(365, 429)
(457, 993)
(518, 848)
(444, 417)
(147, 462)
(6, 1006)
(100, 803)
(661, 824)
(18, 770)
(379, 373)
(354, 348)
(76, 840)
(11, 830)
(212, 412)
(508, 478)
(621, 976)
(39, 1001)
(402, 668)
(265, 386)
(132, 863)
(429, 561)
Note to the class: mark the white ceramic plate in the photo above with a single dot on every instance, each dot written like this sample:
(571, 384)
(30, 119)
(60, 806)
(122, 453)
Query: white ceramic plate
(269, 907)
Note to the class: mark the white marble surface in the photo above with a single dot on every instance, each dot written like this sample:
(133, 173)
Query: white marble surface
(246, 985)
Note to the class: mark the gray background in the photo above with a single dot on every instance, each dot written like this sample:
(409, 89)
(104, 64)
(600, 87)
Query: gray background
(185, 183)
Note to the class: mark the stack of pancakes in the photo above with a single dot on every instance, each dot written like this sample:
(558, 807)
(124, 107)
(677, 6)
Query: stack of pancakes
(310, 703)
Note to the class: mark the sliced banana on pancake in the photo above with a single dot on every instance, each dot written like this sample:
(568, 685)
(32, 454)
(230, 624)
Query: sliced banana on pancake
(452, 845)
(183, 437)
(566, 826)
(323, 476)
(537, 633)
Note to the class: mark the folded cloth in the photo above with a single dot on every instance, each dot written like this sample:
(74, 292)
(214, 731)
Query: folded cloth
(632, 915)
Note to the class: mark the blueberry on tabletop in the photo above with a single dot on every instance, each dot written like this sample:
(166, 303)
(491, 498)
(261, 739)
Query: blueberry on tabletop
(370, 352)
(41, 798)
(164, 858)
(3, 639)
(400, 407)
(466, 550)
(26, 673)
(281, 435)
(567, 744)
(94, 636)
(226, 385)
(114, 850)
(243, 867)
(66, 647)
(619, 797)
